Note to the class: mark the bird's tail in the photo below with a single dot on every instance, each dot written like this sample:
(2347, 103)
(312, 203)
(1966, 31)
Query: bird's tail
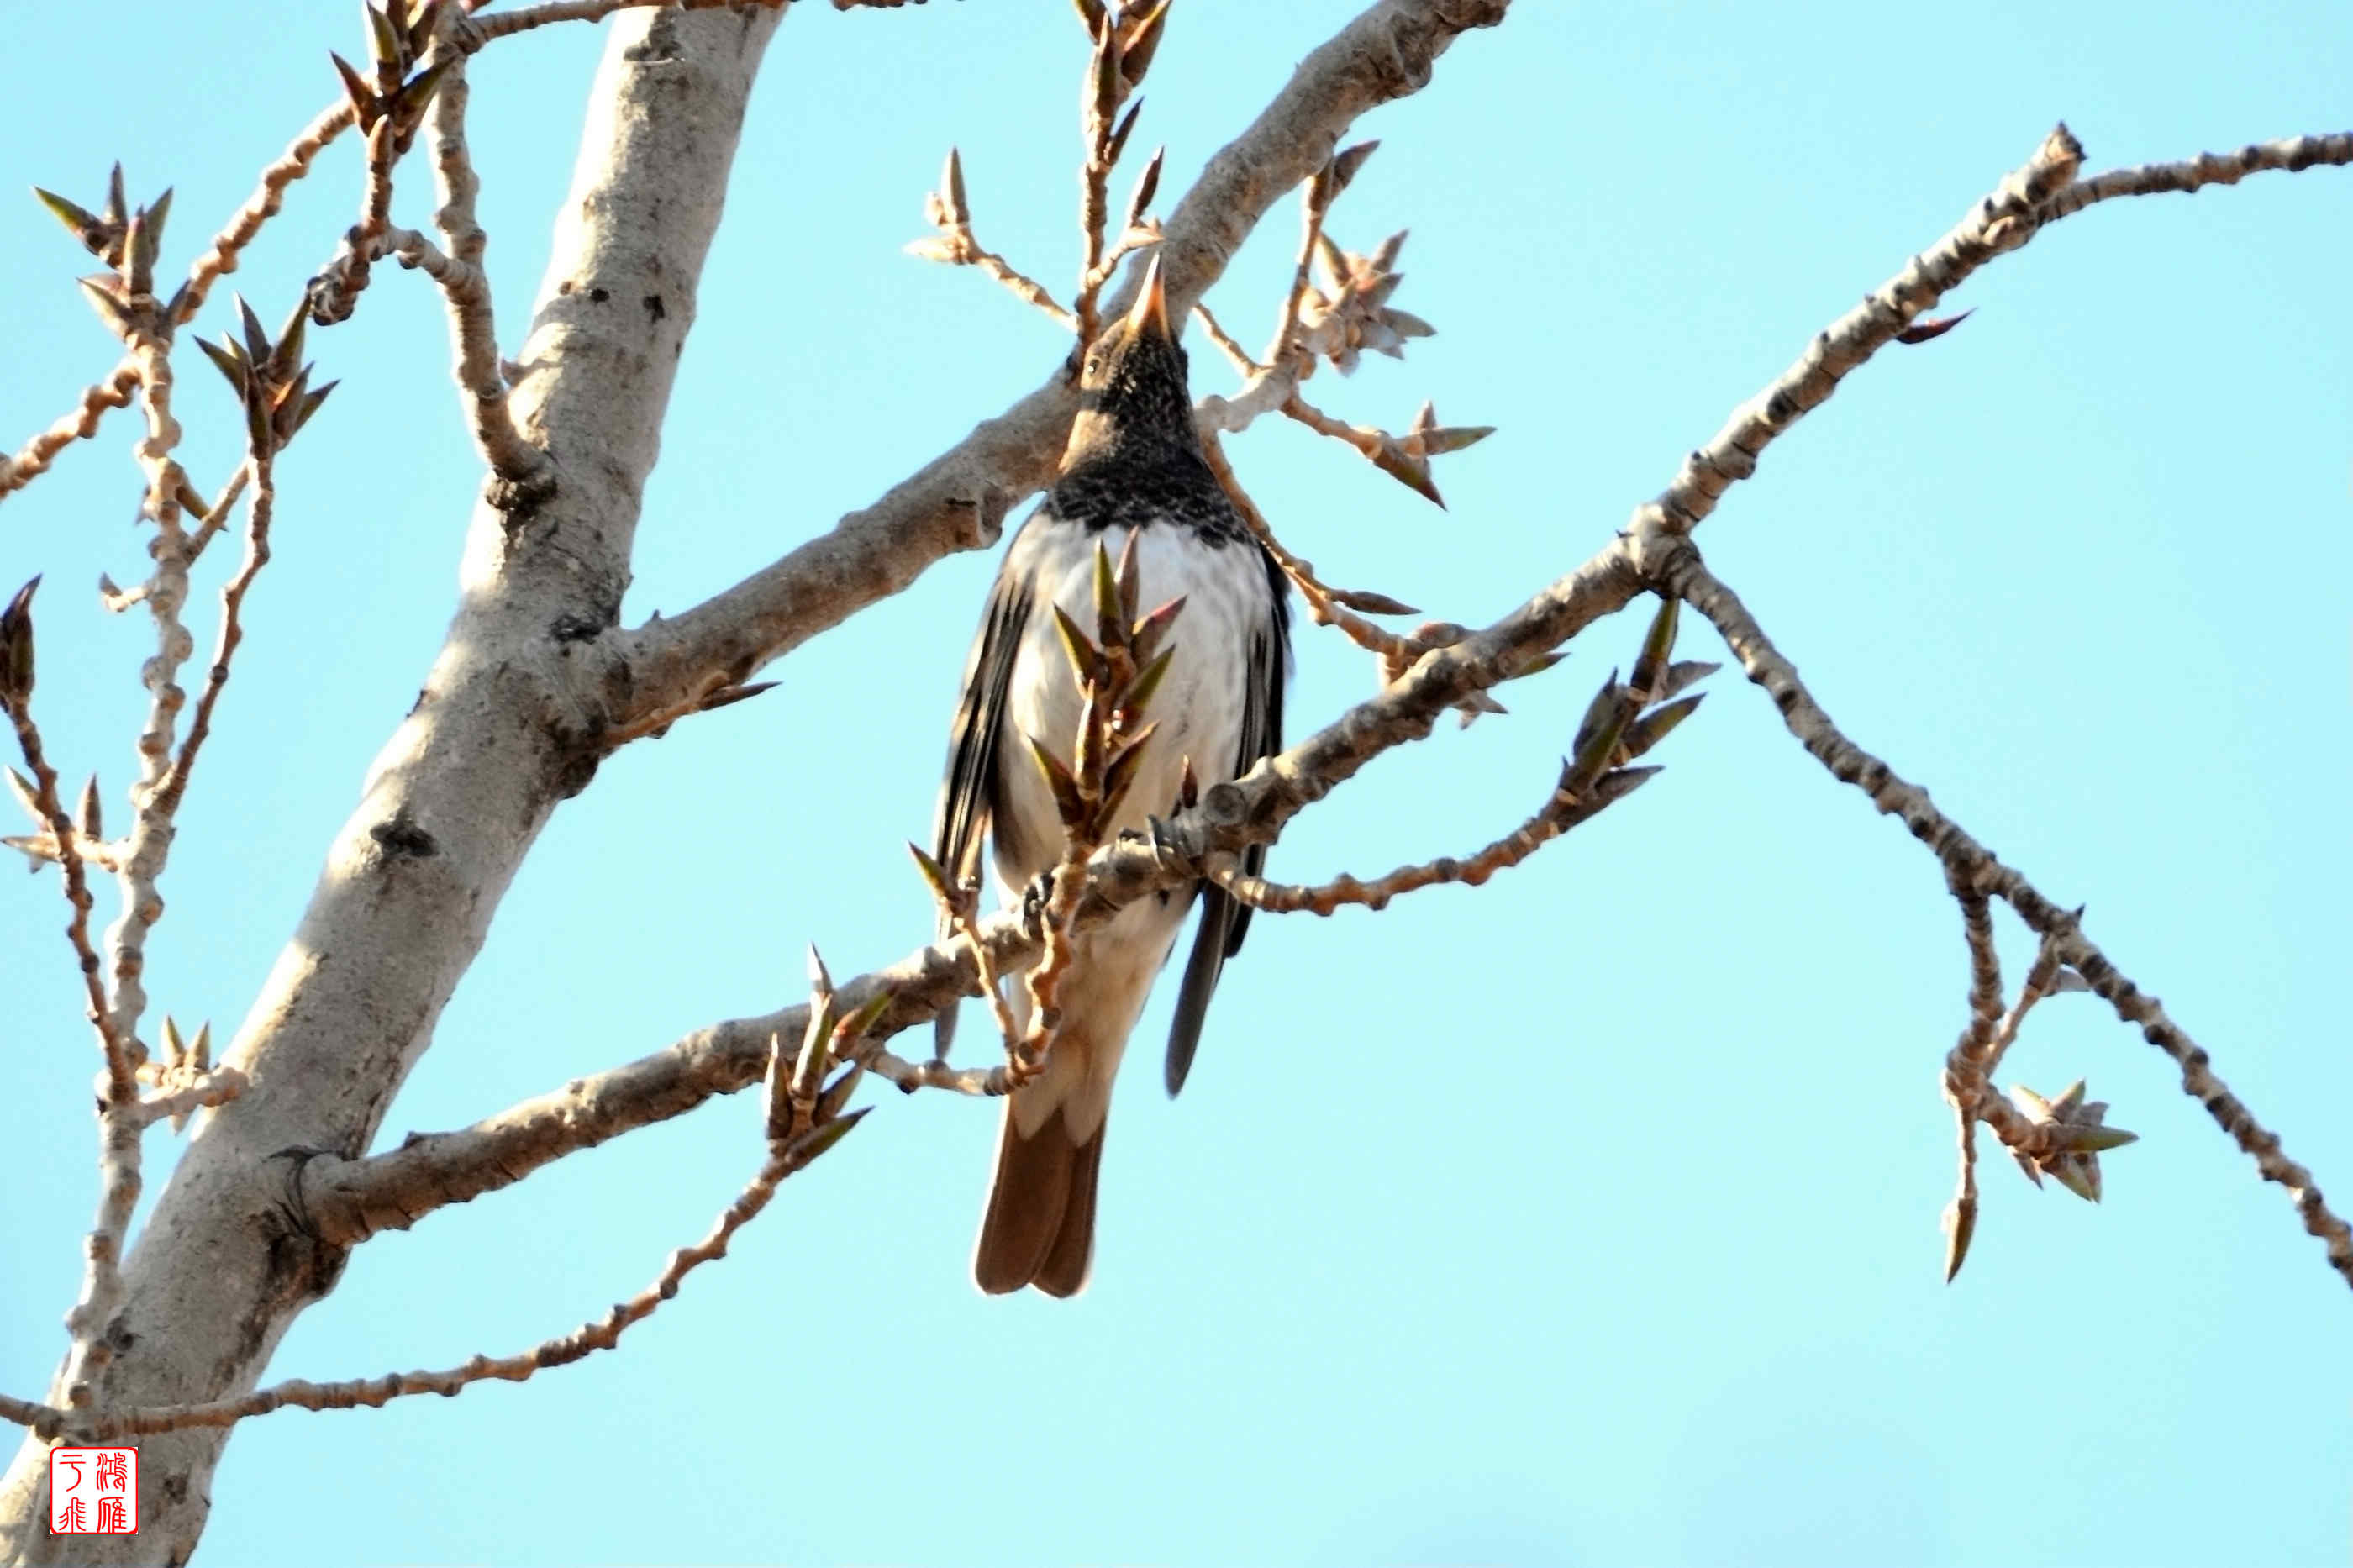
(1039, 1226)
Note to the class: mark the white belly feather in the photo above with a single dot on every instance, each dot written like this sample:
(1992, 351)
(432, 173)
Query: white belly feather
(1198, 710)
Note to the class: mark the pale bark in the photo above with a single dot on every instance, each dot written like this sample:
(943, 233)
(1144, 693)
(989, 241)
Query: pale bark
(534, 684)
(504, 731)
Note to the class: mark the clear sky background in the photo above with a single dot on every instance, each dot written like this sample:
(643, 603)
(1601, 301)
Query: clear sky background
(1590, 1217)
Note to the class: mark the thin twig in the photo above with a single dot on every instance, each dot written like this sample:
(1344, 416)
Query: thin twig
(33, 459)
(1965, 1071)
(1678, 569)
(211, 1090)
(262, 205)
(215, 519)
(473, 329)
(259, 462)
(2002, 222)
(1234, 352)
(1322, 607)
(49, 1422)
(1565, 809)
(2294, 155)
(64, 844)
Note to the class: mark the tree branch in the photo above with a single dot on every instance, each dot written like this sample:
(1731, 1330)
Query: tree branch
(1680, 570)
(959, 500)
(463, 787)
(349, 1200)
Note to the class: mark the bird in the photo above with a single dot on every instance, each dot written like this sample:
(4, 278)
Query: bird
(1134, 465)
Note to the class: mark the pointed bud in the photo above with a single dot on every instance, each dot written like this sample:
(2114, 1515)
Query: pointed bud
(383, 40)
(257, 341)
(421, 26)
(1657, 724)
(26, 796)
(1137, 698)
(1144, 637)
(365, 108)
(935, 875)
(1085, 657)
(118, 210)
(2076, 1138)
(17, 647)
(1683, 673)
(853, 1029)
(1067, 806)
(1407, 469)
(88, 816)
(952, 189)
(1658, 643)
(317, 395)
(109, 305)
(1108, 621)
(1118, 143)
(1605, 702)
(83, 223)
(1104, 88)
(1131, 582)
(1927, 328)
(288, 355)
(230, 361)
(1120, 773)
(419, 91)
(1371, 604)
(836, 1093)
(818, 1139)
(1139, 40)
(1146, 183)
(1960, 1226)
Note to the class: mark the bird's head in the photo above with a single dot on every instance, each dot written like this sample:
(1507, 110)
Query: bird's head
(1131, 390)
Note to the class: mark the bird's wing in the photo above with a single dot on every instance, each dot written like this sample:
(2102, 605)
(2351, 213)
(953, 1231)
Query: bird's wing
(1224, 919)
(968, 794)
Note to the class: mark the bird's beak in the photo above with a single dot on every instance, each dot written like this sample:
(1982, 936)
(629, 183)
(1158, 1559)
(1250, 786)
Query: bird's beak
(1150, 311)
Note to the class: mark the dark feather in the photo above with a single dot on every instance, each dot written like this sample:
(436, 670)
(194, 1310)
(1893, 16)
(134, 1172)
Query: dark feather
(1041, 1225)
(968, 794)
(1224, 920)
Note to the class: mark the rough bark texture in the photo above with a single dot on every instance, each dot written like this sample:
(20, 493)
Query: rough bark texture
(505, 728)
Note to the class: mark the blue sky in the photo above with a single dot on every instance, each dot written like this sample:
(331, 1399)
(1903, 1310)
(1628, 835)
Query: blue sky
(1589, 1217)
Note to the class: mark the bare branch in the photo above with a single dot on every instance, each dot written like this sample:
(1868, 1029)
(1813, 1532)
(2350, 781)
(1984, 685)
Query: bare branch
(1679, 570)
(1563, 810)
(959, 500)
(958, 246)
(33, 459)
(2004, 221)
(2294, 155)
(262, 206)
(785, 1158)
(63, 843)
(232, 629)
(466, 288)
(350, 1200)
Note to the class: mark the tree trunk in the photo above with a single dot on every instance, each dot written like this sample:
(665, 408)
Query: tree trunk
(510, 722)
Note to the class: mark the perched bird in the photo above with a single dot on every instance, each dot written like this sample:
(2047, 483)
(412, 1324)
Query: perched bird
(1134, 465)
